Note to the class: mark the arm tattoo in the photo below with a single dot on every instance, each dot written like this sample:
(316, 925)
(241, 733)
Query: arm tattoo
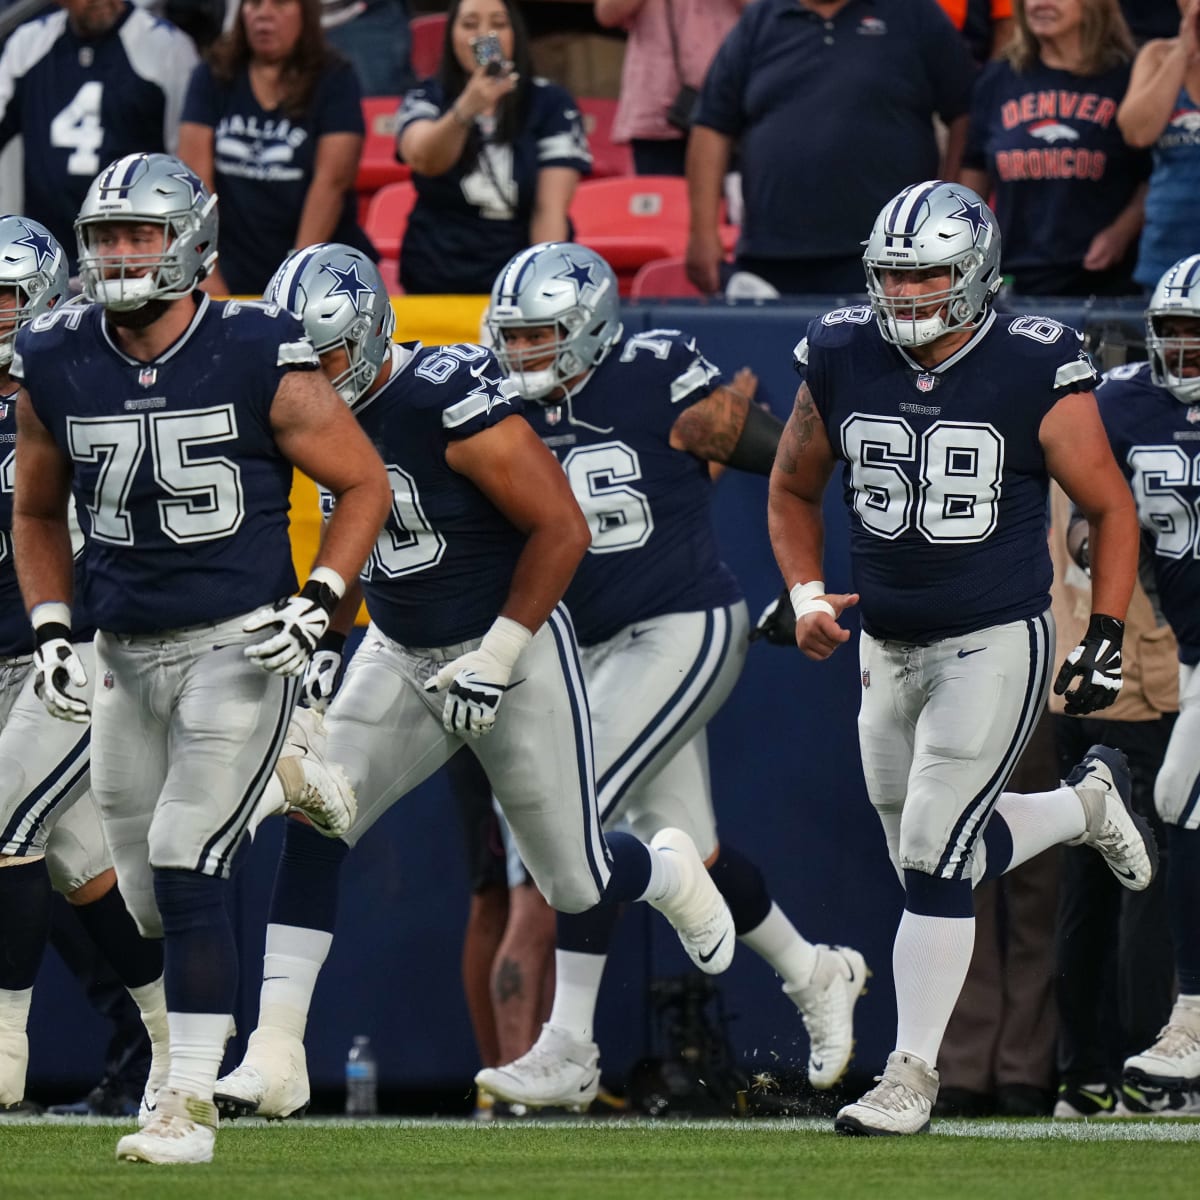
(711, 427)
(798, 432)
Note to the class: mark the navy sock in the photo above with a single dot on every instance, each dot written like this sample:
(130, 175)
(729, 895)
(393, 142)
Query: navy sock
(200, 958)
(997, 838)
(587, 932)
(630, 868)
(306, 880)
(744, 889)
(1183, 904)
(25, 898)
(932, 896)
(136, 960)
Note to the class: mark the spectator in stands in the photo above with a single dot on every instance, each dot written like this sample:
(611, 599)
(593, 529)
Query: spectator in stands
(831, 104)
(987, 25)
(495, 154)
(1068, 191)
(1162, 110)
(273, 122)
(669, 46)
(83, 85)
(373, 35)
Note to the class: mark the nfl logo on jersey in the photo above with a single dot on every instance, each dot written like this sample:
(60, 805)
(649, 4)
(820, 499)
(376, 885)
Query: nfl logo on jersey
(866, 679)
(3, 409)
(926, 382)
(1193, 413)
(108, 680)
(147, 376)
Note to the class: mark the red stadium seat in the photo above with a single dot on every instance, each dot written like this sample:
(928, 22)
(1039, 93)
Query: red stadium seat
(664, 278)
(608, 158)
(425, 51)
(389, 268)
(387, 216)
(378, 166)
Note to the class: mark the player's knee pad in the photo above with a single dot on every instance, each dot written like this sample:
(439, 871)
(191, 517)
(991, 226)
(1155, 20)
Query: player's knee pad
(569, 894)
(1175, 793)
(926, 824)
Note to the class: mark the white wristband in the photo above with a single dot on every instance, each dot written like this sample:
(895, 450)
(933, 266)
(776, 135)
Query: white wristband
(330, 578)
(505, 640)
(804, 599)
(50, 612)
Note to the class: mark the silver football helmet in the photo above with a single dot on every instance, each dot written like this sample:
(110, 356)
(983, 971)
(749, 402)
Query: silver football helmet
(147, 189)
(33, 264)
(558, 284)
(1175, 358)
(932, 225)
(339, 295)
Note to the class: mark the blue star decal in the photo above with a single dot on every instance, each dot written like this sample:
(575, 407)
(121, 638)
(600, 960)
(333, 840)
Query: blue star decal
(348, 284)
(39, 243)
(493, 391)
(579, 273)
(972, 213)
(192, 181)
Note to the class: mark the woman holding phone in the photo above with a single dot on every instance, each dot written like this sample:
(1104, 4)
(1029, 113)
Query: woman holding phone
(495, 154)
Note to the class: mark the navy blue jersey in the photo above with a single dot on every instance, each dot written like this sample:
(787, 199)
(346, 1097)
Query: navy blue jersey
(442, 567)
(467, 223)
(263, 163)
(653, 547)
(80, 103)
(1156, 439)
(1049, 141)
(944, 474)
(174, 460)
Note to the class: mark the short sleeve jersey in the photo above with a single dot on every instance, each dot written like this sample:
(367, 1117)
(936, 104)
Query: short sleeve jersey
(943, 471)
(467, 223)
(1156, 441)
(174, 460)
(443, 565)
(653, 547)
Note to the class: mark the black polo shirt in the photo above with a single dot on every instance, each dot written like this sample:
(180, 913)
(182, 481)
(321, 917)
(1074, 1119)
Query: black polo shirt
(833, 117)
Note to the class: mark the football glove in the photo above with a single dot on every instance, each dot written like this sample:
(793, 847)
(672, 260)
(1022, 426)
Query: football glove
(56, 666)
(475, 682)
(299, 622)
(1096, 664)
(777, 623)
(320, 676)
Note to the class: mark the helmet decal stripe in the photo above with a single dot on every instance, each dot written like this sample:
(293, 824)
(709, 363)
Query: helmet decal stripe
(906, 211)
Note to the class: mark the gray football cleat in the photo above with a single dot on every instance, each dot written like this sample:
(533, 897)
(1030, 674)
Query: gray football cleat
(312, 786)
(558, 1071)
(271, 1081)
(826, 1004)
(182, 1130)
(898, 1104)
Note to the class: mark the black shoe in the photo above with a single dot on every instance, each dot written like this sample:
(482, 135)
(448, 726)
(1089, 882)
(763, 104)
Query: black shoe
(1022, 1100)
(21, 1108)
(1087, 1100)
(104, 1100)
(962, 1102)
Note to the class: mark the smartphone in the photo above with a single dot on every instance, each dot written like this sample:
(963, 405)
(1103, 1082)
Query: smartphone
(488, 52)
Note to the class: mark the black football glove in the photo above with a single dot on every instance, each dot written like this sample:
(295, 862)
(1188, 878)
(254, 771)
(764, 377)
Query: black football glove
(777, 623)
(1096, 664)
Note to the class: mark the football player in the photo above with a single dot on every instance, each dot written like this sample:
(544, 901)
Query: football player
(1151, 412)
(635, 422)
(50, 834)
(463, 591)
(948, 418)
(176, 422)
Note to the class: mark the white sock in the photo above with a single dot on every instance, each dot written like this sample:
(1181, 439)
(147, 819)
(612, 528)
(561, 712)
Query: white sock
(777, 940)
(576, 988)
(197, 1047)
(14, 1045)
(293, 960)
(151, 999)
(664, 878)
(930, 960)
(1039, 820)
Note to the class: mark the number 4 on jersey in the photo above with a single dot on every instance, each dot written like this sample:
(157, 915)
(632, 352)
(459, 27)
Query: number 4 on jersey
(77, 128)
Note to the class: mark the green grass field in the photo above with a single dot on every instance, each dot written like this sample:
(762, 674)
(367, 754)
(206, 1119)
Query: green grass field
(614, 1160)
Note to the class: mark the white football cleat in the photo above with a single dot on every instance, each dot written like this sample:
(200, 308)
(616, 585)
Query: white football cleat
(826, 1004)
(271, 1081)
(182, 1130)
(697, 911)
(898, 1104)
(1172, 1064)
(558, 1070)
(312, 786)
(1125, 841)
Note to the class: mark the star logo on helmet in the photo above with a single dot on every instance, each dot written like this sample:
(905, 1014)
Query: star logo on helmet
(972, 213)
(39, 243)
(192, 182)
(580, 274)
(348, 284)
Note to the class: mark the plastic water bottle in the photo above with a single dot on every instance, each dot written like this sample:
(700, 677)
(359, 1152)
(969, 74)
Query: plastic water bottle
(362, 1076)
